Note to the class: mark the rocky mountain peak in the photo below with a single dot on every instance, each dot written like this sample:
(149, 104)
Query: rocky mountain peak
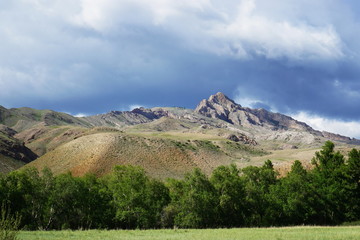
(217, 106)
(221, 107)
(221, 99)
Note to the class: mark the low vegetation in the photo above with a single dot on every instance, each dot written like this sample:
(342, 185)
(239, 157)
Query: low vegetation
(295, 233)
(328, 194)
(9, 225)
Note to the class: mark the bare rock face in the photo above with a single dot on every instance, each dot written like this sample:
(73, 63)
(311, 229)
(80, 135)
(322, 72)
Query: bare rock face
(217, 106)
(13, 148)
(124, 118)
(150, 114)
(7, 131)
(30, 135)
(242, 138)
(221, 107)
(17, 151)
(340, 138)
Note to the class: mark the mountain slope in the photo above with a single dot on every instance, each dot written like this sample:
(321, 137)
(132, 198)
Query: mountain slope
(165, 141)
(120, 119)
(24, 118)
(160, 156)
(13, 153)
(219, 106)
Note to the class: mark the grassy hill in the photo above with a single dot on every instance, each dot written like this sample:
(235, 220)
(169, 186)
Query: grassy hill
(162, 155)
(167, 141)
(24, 118)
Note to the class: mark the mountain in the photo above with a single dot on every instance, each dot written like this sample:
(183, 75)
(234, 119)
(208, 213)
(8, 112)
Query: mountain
(24, 118)
(221, 112)
(20, 127)
(121, 119)
(221, 107)
(13, 153)
(165, 141)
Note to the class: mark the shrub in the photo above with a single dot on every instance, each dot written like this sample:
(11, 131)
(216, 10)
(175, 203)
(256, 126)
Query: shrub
(9, 225)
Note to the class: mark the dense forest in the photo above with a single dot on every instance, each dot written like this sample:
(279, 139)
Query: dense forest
(328, 194)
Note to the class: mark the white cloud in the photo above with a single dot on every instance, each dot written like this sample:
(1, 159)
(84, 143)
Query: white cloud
(346, 128)
(74, 49)
(106, 15)
(237, 30)
(246, 102)
(133, 106)
(261, 35)
(251, 102)
(81, 115)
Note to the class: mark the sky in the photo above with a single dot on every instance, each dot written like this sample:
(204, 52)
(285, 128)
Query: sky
(83, 57)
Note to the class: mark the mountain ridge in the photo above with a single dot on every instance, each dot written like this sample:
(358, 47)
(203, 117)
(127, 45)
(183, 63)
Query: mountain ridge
(217, 106)
(218, 131)
(222, 107)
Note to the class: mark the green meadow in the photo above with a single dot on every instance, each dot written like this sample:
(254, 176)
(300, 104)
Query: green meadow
(286, 233)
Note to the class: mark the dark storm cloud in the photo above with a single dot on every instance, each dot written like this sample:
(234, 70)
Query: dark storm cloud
(334, 93)
(93, 56)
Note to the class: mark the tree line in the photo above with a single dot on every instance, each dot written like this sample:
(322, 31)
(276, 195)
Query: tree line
(328, 194)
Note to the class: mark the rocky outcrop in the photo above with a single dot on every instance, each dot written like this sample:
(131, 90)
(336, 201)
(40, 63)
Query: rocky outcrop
(126, 118)
(242, 138)
(7, 131)
(340, 138)
(14, 149)
(17, 150)
(221, 107)
(218, 106)
(278, 121)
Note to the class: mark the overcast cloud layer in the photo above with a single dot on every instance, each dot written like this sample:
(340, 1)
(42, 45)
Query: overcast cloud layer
(93, 56)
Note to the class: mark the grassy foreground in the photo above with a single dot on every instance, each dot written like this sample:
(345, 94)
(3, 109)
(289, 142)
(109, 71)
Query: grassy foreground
(316, 233)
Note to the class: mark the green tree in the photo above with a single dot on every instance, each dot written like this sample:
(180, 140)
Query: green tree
(292, 198)
(193, 201)
(20, 193)
(330, 185)
(63, 202)
(353, 173)
(257, 184)
(327, 159)
(138, 200)
(231, 196)
(94, 209)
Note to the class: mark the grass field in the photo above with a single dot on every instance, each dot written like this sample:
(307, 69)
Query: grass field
(291, 233)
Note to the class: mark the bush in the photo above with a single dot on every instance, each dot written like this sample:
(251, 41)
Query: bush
(9, 225)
